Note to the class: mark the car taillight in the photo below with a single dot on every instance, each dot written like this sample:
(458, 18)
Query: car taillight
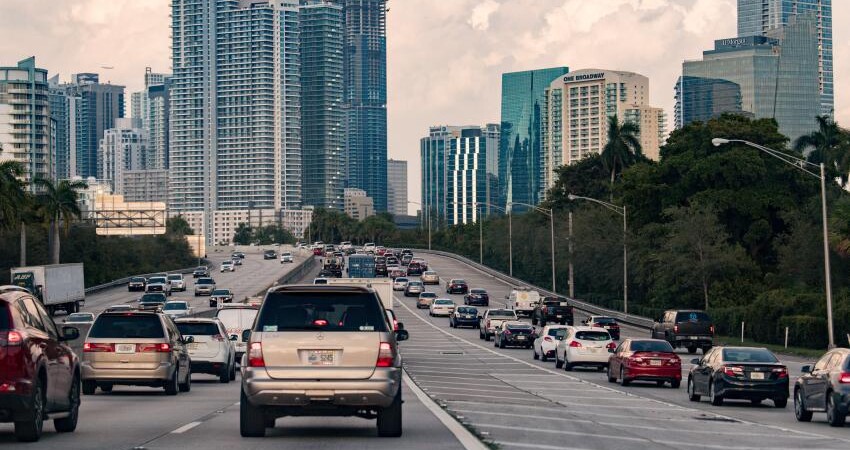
(780, 372)
(711, 328)
(255, 355)
(733, 371)
(488, 323)
(385, 355)
(575, 344)
(508, 332)
(12, 339)
(218, 337)
(154, 348)
(92, 347)
(395, 325)
(611, 346)
(548, 339)
(675, 328)
(844, 378)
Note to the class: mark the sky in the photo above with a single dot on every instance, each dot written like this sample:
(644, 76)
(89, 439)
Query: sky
(445, 57)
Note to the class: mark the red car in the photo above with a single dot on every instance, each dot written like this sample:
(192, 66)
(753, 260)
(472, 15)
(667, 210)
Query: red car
(318, 251)
(33, 357)
(645, 360)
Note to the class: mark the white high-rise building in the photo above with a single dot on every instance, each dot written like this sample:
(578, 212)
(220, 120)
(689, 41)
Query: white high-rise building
(151, 107)
(397, 187)
(122, 149)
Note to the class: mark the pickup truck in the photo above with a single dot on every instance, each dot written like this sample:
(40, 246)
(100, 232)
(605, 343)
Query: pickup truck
(552, 310)
(691, 329)
(493, 319)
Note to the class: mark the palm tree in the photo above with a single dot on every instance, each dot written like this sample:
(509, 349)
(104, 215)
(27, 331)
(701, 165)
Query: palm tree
(14, 200)
(623, 147)
(829, 145)
(58, 201)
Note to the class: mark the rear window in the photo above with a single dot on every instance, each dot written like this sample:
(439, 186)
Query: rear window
(518, 327)
(593, 336)
(198, 329)
(221, 292)
(557, 332)
(175, 277)
(478, 291)
(467, 310)
(605, 320)
(148, 298)
(415, 283)
(501, 313)
(401, 280)
(5, 321)
(651, 346)
(141, 326)
(756, 355)
(205, 281)
(427, 295)
(692, 316)
(175, 306)
(157, 280)
(444, 302)
(137, 279)
(321, 311)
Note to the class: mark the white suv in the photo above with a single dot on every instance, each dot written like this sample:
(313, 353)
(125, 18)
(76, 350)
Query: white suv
(177, 282)
(212, 351)
(584, 346)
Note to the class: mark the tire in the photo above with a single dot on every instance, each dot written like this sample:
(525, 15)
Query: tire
(610, 378)
(716, 400)
(835, 417)
(659, 383)
(623, 381)
(252, 421)
(106, 387)
(692, 350)
(487, 336)
(480, 333)
(233, 371)
(536, 356)
(89, 386)
(800, 411)
(675, 384)
(558, 362)
(389, 418)
(30, 430)
(187, 386)
(544, 358)
(568, 366)
(224, 376)
(69, 424)
(171, 386)
(692, 395)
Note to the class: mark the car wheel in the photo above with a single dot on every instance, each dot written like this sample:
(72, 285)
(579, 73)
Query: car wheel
(692, 395)
(675, 384)
(187, 385)
(233, 371)
(89, 386)
(716, 400)
(224, 375)
(835, 417)
(389, 418)
(755, 401)
(171, 385)
(487, 336)
(106, 387)
(623, 380)
(659, 383)
(69, 424)
(252, 420)
(480, 333)
(608, 373)
(536, 356)
(558, 362)
(800, 411)
(30, 430)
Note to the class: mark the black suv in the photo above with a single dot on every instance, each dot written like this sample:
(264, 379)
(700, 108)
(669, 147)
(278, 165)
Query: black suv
(552, 310)
(825, 388)
(380, 266)
(690, 328)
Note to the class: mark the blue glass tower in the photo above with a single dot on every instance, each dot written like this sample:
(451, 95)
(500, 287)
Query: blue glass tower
(520, 144)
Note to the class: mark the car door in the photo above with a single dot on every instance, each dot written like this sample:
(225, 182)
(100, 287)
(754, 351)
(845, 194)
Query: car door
(619, 356)
(702, 372)
(816, 384)
(179, 345)
(60, 358)
(41, 344)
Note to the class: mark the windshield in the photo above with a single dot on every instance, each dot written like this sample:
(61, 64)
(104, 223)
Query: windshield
(756, 355)
(444, 302)
(198, 328)
(467, 310)
(175, 277)
(593, 336)
(321, 311)
(153, 298)
(171, 306)
(76, 317)
(651, 346)
(221, 292)
(143, 326)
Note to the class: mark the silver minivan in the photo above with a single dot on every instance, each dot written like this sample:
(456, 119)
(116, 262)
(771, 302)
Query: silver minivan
(321, 350)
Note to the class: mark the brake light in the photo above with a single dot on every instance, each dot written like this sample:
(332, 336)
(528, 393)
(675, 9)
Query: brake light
(675, 328)
(395, 325)
(508, 332)
(733, 371)
(154, 348)
(844, 378)
(711, 328)
(548, 339)
(320, 323)
(780, 372)
(218, 337)
(575, 344)
(385, 355)
(255, 355)
(488, 323)
(611, 346)
(13, 339)
(91, 347)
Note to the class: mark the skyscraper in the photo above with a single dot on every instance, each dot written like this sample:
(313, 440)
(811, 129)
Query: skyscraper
(520, 147)
(397, 187)
(151, 106)
(758, 17)
(60, 115)
(123, 148)
(235, 106)
(366, 96)
(322, 115)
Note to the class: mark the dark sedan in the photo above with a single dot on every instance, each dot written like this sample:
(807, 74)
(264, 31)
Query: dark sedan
(477, 296)
(825, 387)
(456, 286)
(414, 268)
(464, 316)
(745, 373)
(514, 334)
(152, 301)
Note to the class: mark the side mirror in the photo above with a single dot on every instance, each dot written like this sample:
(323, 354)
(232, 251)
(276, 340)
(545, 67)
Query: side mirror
(695, 361)
(70, 333)
(507, 297)
(402, 335)
(246, 335)
(480, 317)
(806, 369)
(188, 339)
(400, 326)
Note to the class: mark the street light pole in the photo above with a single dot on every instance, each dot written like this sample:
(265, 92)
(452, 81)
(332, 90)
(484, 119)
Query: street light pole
(802, 164)
(570, 246)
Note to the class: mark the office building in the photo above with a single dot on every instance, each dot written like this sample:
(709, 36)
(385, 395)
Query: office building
(152, 107)
(122, 148)
(397, 187)
(26, 132)
(87, 197)
(460, 173)
(365, 96)
(235, 106)
(322, 114)
(60, 115)
(520, 148)
(358, 205)
(759, 17)
(145, 185)
(575, 116)
(771, 76)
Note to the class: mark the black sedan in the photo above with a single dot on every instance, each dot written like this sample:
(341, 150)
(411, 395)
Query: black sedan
(745, 373)
(514, 334)
(456, 286)
(477, 296)
(464, 316)
(825, 388)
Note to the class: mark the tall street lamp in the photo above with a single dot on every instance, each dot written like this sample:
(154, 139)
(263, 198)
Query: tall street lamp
(551, 213)
(806, 167)
(621, 210)
(427, 215)
(478, 206)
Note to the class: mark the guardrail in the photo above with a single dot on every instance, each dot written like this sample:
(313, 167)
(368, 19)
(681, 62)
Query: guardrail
(638, 321)
(125, 280)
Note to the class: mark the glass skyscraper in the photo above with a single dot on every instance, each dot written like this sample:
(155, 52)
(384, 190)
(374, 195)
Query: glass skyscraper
(322, 116)
(520, 146)
(758, 17)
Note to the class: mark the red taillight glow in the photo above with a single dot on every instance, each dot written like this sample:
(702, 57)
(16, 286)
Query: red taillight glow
(255, 355)
(320, 323)
(575, 344)
(844, 378)
(611, 346)
(395, 325)
(92, 347)
(780, 372)
(153, 348)
(385, 355)
(218, 337)
(13, 339)
(675, 328)
(548, 339)
(733, 371)
(507, 332)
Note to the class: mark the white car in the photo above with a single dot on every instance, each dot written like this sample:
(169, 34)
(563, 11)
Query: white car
(212, 351)
(442, 307)
(177, 282)
(547, 341)
(369, 247)
(158, 284)
(236, 319)
(228, 266)
(177, 309)
(584, 346)
(399, 283)
(286, 257)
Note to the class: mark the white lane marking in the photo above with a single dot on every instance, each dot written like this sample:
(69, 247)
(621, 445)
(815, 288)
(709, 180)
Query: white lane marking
(464, 436)
(186, 427)
(438, 376)
(438, 392)
(584, 413)
(477, 385)
(540, 446)
(583, 434)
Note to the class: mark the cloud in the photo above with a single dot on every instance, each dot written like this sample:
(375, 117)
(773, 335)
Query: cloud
(480, 18)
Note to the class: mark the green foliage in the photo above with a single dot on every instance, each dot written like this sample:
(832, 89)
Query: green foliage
(269, 234)
(178, 226)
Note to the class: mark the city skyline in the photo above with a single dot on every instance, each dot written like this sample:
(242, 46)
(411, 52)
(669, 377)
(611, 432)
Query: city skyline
(86, 37)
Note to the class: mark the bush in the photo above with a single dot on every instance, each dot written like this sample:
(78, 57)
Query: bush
(804, 331)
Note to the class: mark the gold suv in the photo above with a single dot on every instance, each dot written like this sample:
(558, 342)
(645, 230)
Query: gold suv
(136, 348)
(321, 350)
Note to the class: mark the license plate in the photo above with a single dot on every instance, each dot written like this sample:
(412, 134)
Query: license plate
(655, 362)
(125, 348)
(559, 316)
(193, 346)
(693, 338)
(521, 338)
(757, 376)
(320, 357)
(593, 350)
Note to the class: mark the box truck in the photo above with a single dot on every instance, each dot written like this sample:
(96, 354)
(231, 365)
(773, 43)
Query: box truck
(58, 286)
(361, 266)
(384, 288)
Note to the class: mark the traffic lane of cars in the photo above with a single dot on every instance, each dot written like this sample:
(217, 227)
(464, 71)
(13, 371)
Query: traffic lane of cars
(520, 401)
